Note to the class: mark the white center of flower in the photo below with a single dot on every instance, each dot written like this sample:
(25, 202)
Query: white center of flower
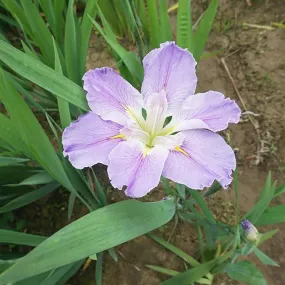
(150, 125)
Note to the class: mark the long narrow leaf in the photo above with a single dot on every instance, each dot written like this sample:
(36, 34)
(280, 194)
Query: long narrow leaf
(32, 132)
(29, 197)
(184, 25)
(71, 45)
(272, 215)
(86, 28)
(95, 232)
(265, 198)
(20, 238)
(41, 34)
(201, 35)
(165, 27)
(190, 276)
(186, 257)
(153, 23)
(63, 106)
(202, 204)
(44, 76)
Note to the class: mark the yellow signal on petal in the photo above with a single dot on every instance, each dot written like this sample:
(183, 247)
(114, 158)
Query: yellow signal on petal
(146, 151)
(178, 148)
(120, 136)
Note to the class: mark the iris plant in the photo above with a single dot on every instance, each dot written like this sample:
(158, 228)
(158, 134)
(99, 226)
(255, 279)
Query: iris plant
(165, 130)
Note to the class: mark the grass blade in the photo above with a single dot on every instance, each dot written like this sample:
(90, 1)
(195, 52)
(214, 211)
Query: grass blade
(99, 269)
(202, 204)
(95, 232)
(265, 198)
(175, 250)
(86, 28)
(192, 275)
(130, 59)
(42, 75)
(165, 27)
(272, 215)
(72, 45)
(20, 238)
(40, 33)
(264, 258)
(29, 197)
(246, 272)
(163, 270)
(63, 106)
(184, 25)
(202, 33)
(153, 23)
(31, 132)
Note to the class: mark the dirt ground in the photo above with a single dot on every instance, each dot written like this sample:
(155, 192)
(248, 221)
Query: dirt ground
(255, 59)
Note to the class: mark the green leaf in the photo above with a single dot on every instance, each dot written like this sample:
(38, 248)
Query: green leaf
(18, 13)
(5, 161)
(272, 215)
(163, 270)
(5, 264)
(165, 27)
(175, 250)
(245, 271)
(184, 25)
(39, 178)
(153, 23)
(201, 35)
(192, 275)
(31, 131)
(181, 190)
(40, 33)
(42, 75)
(63, 106)
(20, 238)
(29, 197)
(265, 198)
(10, 135)
(202, 204)
(58, 7)
(72, 45)
(166, 186)
(280, 190)
(129, 58)
(265, 236)
(95, 232)
(99, 269)
(264, 258)
(216, 186)
(59, 274)
(68, 274)
(86, 28)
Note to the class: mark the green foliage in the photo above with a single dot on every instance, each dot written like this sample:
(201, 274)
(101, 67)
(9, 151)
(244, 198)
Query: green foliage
(95, 232)
(246, 272)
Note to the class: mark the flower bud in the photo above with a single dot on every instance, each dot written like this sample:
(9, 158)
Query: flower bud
(251, 234)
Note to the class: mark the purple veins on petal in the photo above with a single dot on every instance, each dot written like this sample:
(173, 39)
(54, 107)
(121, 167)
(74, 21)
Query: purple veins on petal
(110, 96)
(172, 69)
(208, 158)
(213, 109)
(89, 140)
(137, 167)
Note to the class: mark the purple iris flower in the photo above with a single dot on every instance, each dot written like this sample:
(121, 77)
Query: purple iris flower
(130, 131)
